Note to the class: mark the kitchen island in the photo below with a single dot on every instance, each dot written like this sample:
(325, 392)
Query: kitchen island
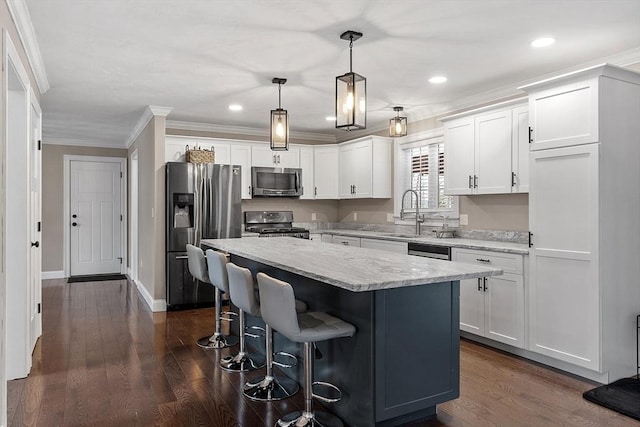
(404, 358)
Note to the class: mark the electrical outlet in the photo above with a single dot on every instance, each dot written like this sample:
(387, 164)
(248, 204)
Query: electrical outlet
(464, 219)
(313, 216)
(390, 217)
(355, 216)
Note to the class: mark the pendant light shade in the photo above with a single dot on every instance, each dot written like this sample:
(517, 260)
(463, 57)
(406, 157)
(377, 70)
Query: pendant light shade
(397, 125)
(351, 93)
(279, 122)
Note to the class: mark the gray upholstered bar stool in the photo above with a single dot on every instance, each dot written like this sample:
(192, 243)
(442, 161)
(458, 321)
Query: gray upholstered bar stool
(277, 303)
(244, 296)
(201, 270)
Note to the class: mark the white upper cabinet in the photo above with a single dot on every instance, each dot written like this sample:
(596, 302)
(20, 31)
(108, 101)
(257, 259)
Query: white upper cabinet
(307, 166)
(262, 155)
(175, 148)
(493, 153)
(520, 150)
(325, 172)
(564, 115)
(240, 154)
(459, 148)
(365, 168)
(484, 152)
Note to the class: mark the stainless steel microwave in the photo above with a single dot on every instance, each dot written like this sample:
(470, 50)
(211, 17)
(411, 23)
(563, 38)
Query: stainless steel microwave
(276, 182)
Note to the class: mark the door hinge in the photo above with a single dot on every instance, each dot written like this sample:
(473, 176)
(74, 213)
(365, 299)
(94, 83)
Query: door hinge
(120, 174)
(39, 308)
(39, 145)
(39, 226)
(120, 217)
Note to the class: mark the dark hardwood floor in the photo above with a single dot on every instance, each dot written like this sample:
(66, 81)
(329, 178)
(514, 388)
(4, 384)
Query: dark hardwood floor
(105, 360)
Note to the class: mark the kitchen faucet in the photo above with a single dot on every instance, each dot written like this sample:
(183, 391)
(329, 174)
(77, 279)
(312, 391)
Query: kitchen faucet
(419, 219)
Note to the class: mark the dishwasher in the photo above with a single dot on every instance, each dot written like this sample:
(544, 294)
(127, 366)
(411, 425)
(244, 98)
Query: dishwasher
(430, 251)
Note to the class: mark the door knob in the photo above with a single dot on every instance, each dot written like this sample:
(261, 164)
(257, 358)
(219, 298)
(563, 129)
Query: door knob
(74, 224)
(36, 244)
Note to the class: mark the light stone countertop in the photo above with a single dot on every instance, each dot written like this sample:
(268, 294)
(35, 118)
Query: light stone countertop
(351, 268)
(455, 242)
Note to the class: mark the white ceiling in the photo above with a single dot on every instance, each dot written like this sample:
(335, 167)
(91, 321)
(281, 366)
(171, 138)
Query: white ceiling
(106, 60)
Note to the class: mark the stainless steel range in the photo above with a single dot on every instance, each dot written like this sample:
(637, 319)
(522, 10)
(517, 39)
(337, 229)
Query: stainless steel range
(273, 224)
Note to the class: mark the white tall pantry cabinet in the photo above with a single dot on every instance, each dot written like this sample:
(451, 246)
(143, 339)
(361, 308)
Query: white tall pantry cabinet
(584, 216)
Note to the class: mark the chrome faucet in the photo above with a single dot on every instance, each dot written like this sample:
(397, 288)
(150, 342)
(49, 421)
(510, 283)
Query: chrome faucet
(419, 219)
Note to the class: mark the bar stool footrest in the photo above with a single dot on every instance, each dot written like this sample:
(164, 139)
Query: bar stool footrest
(294, 360)
(254, 335)
(326, 392)
(232, 318)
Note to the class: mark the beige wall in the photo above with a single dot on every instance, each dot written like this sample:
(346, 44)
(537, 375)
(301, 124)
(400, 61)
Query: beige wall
(53, 198)
(151, 223)
(325, 210)
(257, 138)
(496, 212)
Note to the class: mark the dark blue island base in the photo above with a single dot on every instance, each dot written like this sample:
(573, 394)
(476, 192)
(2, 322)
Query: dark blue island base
(404, 358)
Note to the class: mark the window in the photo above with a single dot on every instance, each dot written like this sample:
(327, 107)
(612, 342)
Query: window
(420, 167)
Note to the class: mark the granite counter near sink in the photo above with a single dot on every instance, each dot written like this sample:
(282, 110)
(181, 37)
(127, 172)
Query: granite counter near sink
(455, 242)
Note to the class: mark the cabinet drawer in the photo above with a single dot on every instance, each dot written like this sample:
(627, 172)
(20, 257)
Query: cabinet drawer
(347, 240)
(510, 263)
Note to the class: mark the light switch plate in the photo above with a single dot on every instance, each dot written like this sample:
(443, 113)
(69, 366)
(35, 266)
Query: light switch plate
(313, 216)
(464, 219)
(355, 216)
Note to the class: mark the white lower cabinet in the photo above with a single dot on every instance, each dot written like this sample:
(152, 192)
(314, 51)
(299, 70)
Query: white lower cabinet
(346, 240)
(315, 237)
(493, 307)
(327, 238)
(385, 245)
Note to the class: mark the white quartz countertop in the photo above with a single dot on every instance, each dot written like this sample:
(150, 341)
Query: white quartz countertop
(455, 242)
(351, 268)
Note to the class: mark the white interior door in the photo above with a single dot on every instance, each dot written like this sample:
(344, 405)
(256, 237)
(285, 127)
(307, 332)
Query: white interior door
(35, 227)
(96, 217)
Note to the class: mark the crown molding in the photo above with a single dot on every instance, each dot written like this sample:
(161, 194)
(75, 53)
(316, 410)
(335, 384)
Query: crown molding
(77, 143)
(247, 131)
(20, 15)
(150, 112)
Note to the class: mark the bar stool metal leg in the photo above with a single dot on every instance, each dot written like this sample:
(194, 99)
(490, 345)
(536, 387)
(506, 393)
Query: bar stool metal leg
(217, 340)
(241, 362)
(309, 417)
(269, 387)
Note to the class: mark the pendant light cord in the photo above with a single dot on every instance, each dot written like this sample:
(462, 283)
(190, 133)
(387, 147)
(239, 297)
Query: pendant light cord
(351, 54)
(279, 97)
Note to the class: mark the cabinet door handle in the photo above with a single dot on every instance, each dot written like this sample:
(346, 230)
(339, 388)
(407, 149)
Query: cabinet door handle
(278, 158)
(530, 240)
(483, 260)
(513, 179)
(484, 279)
(480, 283)
(475, 181)
(470, 181)
(530, 135)
(354, 189)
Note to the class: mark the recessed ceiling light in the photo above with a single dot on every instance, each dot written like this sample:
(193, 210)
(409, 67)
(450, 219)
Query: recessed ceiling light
(235, 107)
(330, 118)
(543, 42)
(437, 79)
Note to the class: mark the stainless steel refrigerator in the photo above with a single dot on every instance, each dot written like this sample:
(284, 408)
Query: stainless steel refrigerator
(203, 201)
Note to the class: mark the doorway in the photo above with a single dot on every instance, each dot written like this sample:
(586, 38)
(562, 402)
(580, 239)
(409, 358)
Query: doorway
(133, 227)
(95, 202)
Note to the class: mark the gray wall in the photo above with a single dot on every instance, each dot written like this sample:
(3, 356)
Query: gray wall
(53, 197)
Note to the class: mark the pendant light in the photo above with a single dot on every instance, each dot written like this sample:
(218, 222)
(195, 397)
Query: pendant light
(279, 122)
(397, 125)
(351, 93)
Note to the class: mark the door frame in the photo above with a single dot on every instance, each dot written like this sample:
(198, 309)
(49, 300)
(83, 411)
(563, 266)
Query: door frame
(35, 293)
(66, 218)
(133, 232)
